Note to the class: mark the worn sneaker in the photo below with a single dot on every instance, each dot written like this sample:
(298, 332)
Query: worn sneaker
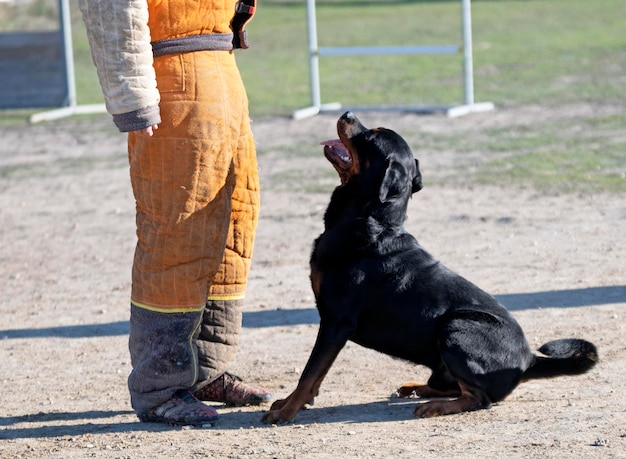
(230, 389)
(183, 409)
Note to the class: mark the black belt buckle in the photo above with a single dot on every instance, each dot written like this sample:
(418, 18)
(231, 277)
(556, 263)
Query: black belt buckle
(244, 8)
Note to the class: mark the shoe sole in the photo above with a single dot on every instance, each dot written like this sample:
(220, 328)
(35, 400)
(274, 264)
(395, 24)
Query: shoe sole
(162, 420)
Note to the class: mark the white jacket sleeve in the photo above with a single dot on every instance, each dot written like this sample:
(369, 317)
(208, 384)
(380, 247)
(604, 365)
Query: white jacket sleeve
(119, 38)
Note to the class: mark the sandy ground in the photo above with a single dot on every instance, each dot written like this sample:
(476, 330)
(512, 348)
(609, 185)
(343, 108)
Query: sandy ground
(67, 238)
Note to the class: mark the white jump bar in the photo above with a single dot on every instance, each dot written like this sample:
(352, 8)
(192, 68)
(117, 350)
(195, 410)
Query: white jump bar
(343, 51)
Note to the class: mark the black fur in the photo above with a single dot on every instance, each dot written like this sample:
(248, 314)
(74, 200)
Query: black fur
(375, 285)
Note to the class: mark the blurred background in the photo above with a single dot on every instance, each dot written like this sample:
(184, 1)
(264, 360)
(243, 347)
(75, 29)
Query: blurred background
(549, 53)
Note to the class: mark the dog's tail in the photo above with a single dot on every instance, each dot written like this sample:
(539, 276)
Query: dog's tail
(564, 357)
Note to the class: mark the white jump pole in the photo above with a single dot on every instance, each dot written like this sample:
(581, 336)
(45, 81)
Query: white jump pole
(468, 68)
(468, 56)
(314, 71)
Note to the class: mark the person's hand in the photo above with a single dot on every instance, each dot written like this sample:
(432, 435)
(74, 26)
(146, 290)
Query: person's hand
(147, 132)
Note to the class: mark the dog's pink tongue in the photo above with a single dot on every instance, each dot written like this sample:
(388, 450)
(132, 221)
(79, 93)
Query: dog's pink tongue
(331, 143)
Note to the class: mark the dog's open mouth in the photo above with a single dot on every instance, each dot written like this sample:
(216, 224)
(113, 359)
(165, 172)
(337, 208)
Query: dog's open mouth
(339, 156)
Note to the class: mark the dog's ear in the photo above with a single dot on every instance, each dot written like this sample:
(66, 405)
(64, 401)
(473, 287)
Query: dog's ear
(394, 183)
(417, 180)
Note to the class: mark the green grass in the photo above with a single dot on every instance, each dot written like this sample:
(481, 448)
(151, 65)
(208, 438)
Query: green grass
(533, 51)
(555, 156)
(551, 158)
(548, 52)
(554, 52)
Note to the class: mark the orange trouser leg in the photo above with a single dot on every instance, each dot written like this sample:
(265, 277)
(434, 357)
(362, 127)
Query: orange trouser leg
(196, 185)
(196, 188)
(219, 333)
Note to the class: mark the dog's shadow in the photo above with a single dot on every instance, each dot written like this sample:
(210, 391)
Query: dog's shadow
(391, 410)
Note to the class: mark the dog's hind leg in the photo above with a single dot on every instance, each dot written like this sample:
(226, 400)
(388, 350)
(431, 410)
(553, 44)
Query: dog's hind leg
(471, 399)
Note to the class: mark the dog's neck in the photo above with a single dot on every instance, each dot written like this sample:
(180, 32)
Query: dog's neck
(365, 218)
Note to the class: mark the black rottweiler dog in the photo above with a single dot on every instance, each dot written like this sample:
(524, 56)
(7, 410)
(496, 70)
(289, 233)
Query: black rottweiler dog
(376, 286)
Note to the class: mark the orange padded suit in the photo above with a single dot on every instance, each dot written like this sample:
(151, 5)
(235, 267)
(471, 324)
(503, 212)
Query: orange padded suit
(195, 181)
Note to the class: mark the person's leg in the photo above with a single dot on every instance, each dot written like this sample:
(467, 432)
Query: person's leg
(218, 342)
(164, 359)
(183, 181)
(218, 339)
(221, 324)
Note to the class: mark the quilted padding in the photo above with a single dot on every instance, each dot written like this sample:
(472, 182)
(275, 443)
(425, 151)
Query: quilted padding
(196, 185)
(182, 18)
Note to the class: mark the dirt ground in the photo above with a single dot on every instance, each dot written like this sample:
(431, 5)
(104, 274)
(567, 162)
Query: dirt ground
(67, 239)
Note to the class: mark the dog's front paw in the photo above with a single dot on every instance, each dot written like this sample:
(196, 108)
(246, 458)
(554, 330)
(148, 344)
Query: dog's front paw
(272, 417)
(282, 411)
(276, 414)
(281, 416)
(278, 404)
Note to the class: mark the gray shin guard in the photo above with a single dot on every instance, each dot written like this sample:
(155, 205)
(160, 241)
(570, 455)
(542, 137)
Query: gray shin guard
(163, 355)
(219, 338)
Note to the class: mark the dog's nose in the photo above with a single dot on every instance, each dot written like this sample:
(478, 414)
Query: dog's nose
(348, 116)
(350, 125)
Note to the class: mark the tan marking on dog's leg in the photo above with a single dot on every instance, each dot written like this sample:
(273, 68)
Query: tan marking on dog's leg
(471, 399)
